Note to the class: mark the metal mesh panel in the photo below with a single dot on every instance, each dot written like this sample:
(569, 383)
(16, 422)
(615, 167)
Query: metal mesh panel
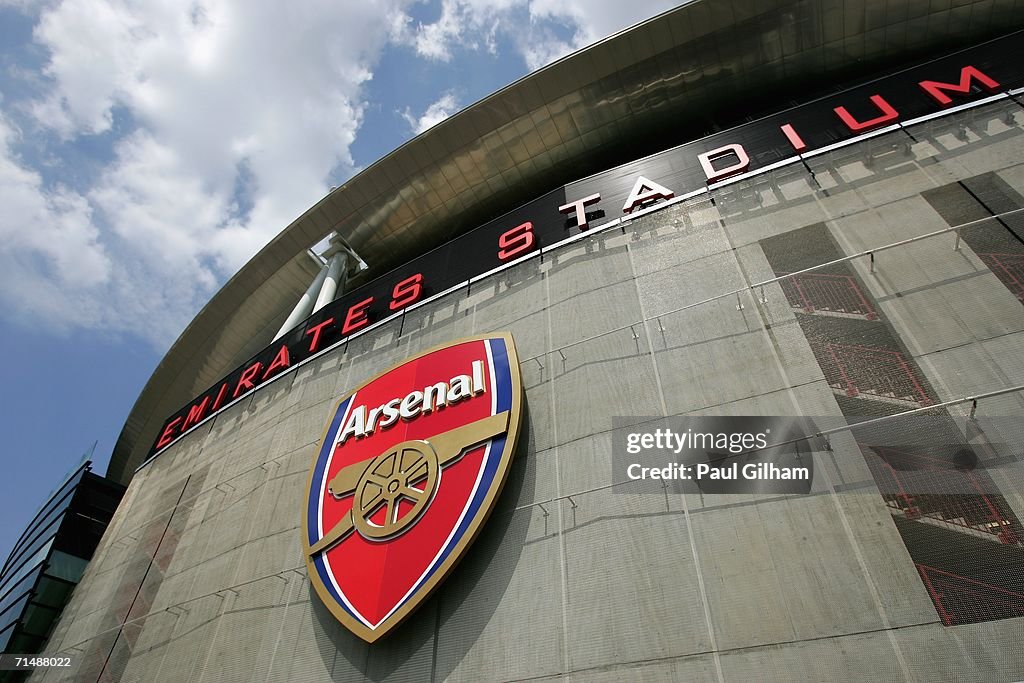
(515, 568)
(962, 600)
(825, 293)
(611, 375)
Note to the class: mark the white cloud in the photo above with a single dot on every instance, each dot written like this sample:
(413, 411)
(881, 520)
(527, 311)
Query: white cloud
(531, 25)
(220, 122)
(55, 225)
(47, 238)
(228, 120)
(466, 23)
(92, 58)
(434, 40)
(434, 114)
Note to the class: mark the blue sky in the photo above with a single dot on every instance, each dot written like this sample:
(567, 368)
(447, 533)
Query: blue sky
(147, 150)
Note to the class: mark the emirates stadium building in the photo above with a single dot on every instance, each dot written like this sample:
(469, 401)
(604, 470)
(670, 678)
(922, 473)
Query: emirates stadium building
(791, 210)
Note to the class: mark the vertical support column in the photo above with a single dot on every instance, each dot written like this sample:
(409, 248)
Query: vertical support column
(335, 274)
(327, 285)
(305, 305)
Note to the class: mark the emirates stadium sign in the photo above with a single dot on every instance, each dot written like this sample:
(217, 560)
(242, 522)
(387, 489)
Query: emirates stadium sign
(625, 191)
(409, 469)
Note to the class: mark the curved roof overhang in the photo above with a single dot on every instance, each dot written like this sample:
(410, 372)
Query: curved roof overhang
(682, 74)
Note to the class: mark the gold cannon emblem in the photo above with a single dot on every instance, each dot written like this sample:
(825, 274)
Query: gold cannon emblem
(409, 471)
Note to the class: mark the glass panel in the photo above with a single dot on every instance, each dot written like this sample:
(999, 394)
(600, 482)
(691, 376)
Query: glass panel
(28, 565)
(42, 535)
(5, 636)
(13, 612)
(18, 589)
(53, 593)
(67, 567)
(38, 618)
(58, 501)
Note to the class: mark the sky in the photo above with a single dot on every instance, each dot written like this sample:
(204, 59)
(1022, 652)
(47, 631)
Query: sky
(149, 149)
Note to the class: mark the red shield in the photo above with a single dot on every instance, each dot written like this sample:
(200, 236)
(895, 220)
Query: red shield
(408, 471)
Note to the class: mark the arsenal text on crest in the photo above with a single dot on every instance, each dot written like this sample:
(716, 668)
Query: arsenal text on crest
(433, 397)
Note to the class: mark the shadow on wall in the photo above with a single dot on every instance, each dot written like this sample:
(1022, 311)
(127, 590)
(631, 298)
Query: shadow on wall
(411, 649)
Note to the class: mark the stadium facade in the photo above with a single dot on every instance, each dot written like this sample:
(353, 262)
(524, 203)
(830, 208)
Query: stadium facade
(786, 209)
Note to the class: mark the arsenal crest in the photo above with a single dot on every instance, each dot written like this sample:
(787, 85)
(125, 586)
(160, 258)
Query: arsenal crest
(408, 471)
